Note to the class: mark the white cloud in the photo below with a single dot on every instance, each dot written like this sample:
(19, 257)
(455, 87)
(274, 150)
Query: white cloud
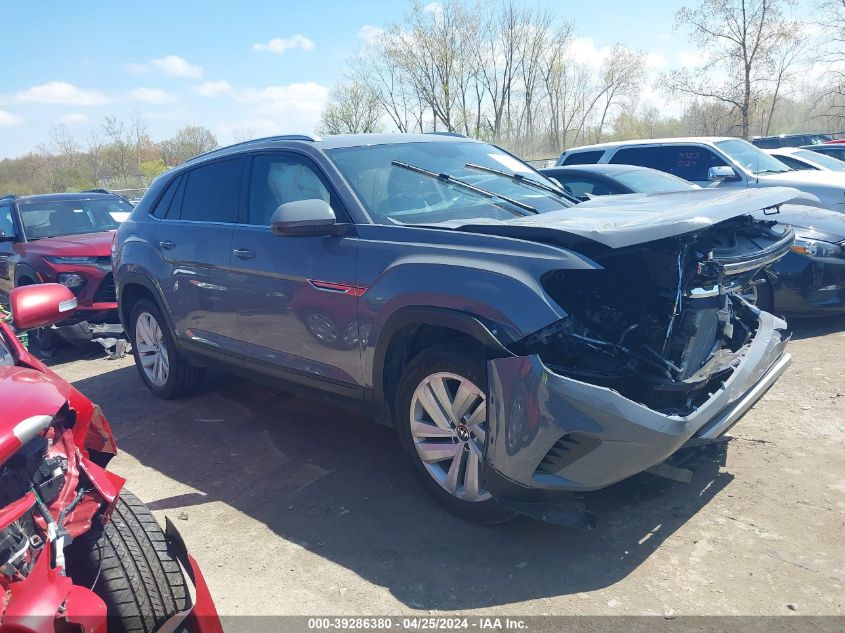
(214, 88)
(74, 118)
(656, 60)
(176, 66)
(369, 33)
(151, 95)
(276, 109)
(584, 50)
(692, 57)
(279, 45)
(61, 93)
(7, 118)
(137, 69)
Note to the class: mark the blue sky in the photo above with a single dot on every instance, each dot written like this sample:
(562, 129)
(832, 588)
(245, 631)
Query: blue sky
(231, 66)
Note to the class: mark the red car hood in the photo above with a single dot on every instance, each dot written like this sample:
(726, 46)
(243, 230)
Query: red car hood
(26, 393)
(86, 245)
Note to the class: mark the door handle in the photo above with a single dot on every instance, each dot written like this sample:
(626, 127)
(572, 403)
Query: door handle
(244, 253)
(167, 245)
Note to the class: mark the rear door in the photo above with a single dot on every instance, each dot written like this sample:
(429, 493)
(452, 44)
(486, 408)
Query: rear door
(194, 240)
(296, 297)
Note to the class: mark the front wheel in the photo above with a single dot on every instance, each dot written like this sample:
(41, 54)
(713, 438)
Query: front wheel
(162, 367)
(131, 569)
(441, 415)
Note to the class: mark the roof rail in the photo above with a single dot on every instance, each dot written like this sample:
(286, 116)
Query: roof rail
(456, 134)
(281, 137)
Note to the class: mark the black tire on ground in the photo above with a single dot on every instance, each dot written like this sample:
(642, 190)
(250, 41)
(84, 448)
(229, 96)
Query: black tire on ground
(467, 361)
(140, 582)
(183, 378)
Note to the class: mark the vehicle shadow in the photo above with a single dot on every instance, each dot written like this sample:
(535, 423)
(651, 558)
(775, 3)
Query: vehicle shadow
(819, 326)
(336, 484)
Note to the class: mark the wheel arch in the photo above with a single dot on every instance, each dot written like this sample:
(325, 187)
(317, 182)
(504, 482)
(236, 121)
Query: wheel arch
(412, 329)
(130, 290)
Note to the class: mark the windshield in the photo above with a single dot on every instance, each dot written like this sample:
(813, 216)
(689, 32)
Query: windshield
(393, 193)
(751, 158)
(828, 162)
(70, 217)
(652, 181)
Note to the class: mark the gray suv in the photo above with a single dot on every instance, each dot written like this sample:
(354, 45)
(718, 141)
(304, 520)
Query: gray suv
(524, 348)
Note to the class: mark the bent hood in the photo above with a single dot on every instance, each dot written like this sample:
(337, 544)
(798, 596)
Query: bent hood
(626, 220)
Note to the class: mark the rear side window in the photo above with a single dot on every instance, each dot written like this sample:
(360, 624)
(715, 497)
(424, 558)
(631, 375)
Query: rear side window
(212, 192)
(690, 162)
(583, 158)
(791, 162)
(7, 225)
(583, 188)
(165, 203)
(642, 156)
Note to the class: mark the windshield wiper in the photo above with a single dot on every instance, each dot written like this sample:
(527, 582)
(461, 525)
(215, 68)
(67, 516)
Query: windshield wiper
(465, 185)
(772, 171)
(522, 180)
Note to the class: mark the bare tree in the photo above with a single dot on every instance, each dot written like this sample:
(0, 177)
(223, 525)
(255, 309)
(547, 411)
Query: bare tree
(94, 156)
(352, 108)
(239, 135)
(737, 35)
(119, 155)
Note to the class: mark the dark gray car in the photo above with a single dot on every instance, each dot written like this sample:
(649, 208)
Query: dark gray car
(524, 348)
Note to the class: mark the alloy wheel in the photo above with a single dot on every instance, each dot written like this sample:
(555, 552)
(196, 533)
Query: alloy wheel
(152, 349)
(449, 427)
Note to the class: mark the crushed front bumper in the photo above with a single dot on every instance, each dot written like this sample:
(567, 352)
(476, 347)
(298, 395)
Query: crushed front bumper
(549, 433)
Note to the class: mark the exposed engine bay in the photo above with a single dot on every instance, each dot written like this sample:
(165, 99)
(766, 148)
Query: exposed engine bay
(663, 323)
(43, 475)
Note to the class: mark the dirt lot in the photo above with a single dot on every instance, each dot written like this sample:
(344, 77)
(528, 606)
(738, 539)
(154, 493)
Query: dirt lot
(294, 507)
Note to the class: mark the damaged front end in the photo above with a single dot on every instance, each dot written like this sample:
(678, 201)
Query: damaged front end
(657, 346)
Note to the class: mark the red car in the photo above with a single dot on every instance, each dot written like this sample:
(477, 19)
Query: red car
(64, 238)
(78, 553)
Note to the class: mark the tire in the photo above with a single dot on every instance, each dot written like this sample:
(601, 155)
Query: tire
(135, 575)
(453, 371)
(174, 377)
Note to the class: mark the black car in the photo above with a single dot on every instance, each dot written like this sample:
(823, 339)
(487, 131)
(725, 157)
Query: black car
(810, 280)
(790, 140)
(585, 182)
(836, 150)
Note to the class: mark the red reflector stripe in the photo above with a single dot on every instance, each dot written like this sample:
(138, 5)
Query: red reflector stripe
(355, 291)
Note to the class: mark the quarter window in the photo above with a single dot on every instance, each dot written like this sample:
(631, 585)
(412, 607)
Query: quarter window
(212, 192)
(642, 156)
(583, 158)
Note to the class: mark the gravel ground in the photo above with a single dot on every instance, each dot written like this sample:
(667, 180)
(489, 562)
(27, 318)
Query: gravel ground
(294, 507)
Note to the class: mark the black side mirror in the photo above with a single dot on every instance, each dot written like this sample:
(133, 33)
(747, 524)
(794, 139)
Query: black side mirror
(304, 217)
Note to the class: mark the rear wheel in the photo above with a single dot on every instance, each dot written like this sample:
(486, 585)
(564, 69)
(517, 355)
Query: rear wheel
(131, 569)
(162, 367)
(441, 411)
